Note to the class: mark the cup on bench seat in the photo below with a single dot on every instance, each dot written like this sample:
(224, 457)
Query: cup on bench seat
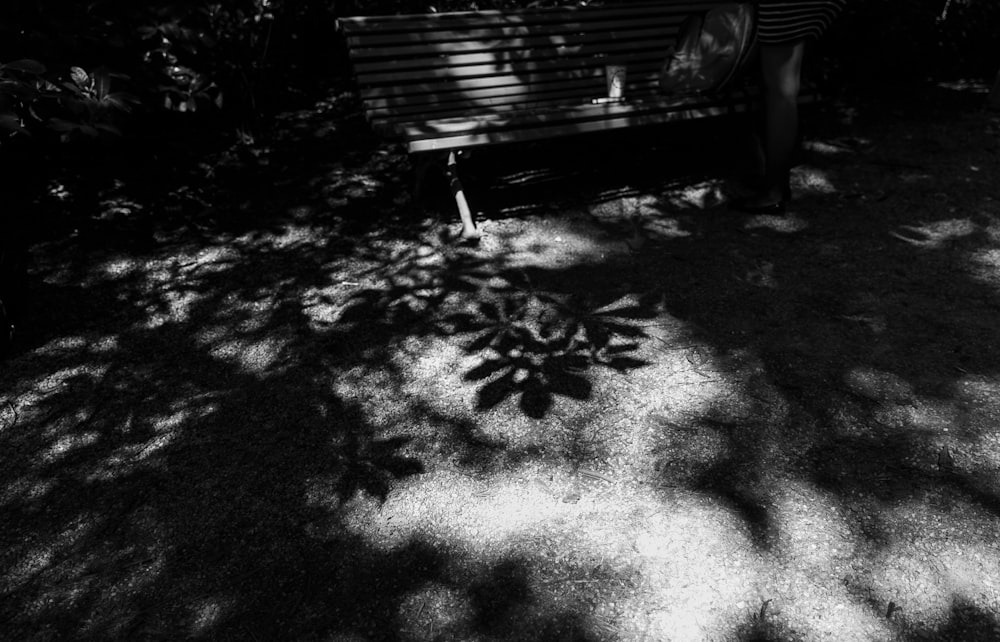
(615, 74)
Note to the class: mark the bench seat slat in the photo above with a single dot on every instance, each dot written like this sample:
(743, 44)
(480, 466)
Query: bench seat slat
(400, 121)
(493, 136)
(500, 118)
(535, 117)
(551, 124)
(515, 116)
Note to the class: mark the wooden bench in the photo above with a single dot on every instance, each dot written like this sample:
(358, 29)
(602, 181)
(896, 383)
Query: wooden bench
(444, 82)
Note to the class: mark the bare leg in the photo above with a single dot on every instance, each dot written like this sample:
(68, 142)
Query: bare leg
(781, 66)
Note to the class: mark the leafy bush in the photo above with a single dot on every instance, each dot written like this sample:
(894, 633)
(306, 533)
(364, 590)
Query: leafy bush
(233, 59)
(82, 105)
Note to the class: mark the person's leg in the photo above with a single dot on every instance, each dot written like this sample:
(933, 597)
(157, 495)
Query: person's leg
(781, 67)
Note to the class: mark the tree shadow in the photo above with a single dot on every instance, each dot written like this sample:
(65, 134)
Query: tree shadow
(865, 323)
(532, 345)
(180, 459)
(186, 459)
(194, 473)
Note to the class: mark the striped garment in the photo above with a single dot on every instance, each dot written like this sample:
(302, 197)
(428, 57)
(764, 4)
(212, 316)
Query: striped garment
(784, 21)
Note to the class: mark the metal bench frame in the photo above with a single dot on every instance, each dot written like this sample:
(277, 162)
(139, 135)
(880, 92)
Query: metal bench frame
(444, 82)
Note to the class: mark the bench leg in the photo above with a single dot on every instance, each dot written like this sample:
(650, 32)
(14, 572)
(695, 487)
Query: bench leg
(469, 231)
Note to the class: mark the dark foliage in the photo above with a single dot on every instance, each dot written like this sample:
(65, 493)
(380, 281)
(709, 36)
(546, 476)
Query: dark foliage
(235, 59)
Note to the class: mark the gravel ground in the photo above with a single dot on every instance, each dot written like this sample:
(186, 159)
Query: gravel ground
(298, 411)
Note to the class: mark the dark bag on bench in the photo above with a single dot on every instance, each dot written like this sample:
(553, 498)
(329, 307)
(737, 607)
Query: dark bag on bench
(712, 48)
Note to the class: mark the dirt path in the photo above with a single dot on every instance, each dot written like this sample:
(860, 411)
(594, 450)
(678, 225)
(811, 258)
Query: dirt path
(629, 414)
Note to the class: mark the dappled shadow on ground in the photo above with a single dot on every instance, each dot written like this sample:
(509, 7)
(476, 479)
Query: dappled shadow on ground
(870, 313)
(179, 451)
(532, 345)
(180, 456)
(187, 444)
